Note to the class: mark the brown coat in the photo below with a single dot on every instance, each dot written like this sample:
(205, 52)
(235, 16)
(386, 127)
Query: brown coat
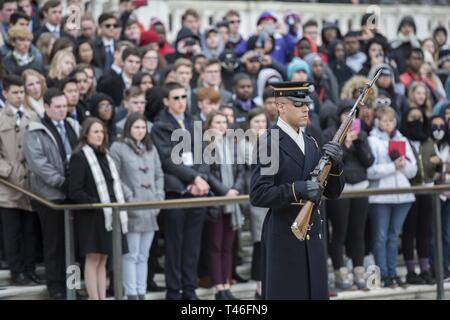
(12, 161)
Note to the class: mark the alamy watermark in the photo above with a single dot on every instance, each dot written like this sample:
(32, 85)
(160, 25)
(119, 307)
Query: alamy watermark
(73, 280)
(74, 17)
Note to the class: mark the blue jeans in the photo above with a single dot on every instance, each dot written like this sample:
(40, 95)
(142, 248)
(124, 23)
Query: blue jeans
(387, 220)
(134, 263)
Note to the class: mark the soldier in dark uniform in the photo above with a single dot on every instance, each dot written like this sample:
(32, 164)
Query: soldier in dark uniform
(293, 269)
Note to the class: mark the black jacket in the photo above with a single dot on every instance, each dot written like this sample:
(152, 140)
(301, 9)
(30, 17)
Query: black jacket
(215, 178)
(356, 159)
(240, 115)
(176, 176)
(100, 53)
(112, 84)
(82, 187)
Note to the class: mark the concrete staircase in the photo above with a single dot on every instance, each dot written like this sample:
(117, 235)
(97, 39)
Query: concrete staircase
(243, 291)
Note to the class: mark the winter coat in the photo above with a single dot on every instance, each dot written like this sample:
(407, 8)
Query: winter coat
(42, 153)
(12, 161)
(383, 173)
(142, 174)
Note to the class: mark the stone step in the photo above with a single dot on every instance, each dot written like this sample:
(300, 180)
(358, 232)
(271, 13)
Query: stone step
(23, 293)
(246, 291)
(415, 292)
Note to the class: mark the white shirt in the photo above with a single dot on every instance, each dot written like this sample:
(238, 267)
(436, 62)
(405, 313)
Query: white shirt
(109, 43)
(126, 80)
(53, 29)
(22, 59)
(15, 110)
(116, 68)
(296, 136)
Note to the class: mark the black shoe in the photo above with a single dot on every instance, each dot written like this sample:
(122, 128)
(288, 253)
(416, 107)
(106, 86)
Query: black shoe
(35, 278)
(398, 281)
(427, 278)
(388, 282)
(191, 297)
(152, 286)
(414, 278)
(236, 277)
(21, 280)
(58, 296)
(230, 295)
(4, 265)
(257, 296)
(221, 295)
(446, 275)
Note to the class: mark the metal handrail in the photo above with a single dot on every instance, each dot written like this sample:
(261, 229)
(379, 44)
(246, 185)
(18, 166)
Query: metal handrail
(214, 201)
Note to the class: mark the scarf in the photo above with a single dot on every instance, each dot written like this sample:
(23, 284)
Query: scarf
(37, 106)
(102, 189)
(224, 147)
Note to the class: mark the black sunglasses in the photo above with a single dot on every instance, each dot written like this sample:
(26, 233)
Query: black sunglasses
(180, 97)
(108, 26)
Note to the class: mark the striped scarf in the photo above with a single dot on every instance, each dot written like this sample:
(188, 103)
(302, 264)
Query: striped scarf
(102, 188)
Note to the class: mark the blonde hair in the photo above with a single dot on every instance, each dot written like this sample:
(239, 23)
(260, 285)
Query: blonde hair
(19, 32)
(33, 73)
(412, 88)
(385, 111)
(45, 43)
(182, 62)
(55, 70)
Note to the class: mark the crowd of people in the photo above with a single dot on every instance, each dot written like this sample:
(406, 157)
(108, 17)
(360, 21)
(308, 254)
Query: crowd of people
(87, 116)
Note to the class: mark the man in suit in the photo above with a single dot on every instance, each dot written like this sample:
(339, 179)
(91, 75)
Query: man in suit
(104, 46)
(293, 269)
(182, 226)
(75, 109)
(114, 84)
(243, 102)
(20, 225)
(52, 13)
(47, 149)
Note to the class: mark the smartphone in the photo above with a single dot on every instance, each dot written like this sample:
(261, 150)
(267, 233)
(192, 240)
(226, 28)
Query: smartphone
(356, 125)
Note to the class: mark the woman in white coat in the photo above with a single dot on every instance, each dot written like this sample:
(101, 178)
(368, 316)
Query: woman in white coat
(388, 212)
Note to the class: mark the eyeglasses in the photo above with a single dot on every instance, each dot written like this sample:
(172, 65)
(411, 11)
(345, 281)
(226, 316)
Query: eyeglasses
(108, 26)
(183, 97)
(150, 58)
(383, 102)
(234, 21)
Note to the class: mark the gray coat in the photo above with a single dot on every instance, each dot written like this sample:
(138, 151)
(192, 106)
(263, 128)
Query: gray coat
(44, 160)
(142, 174)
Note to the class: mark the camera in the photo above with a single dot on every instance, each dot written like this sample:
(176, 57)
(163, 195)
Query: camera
(257, 58)
(190, 43)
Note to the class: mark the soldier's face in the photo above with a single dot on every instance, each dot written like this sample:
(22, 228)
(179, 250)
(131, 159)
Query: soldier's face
(295, 116)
